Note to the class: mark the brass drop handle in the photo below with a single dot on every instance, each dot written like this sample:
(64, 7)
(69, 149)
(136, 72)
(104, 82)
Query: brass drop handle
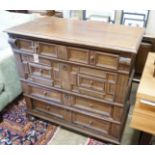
(65, 67)
(92, 58)
(40, 71)
(48, 108)
(90, 122)
(91, 82)
(45, 93)
(67, 96)
(91, 105)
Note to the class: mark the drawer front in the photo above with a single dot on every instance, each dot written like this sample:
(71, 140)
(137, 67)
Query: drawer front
(103, 109)
(97, 83)
(93, 72)
(45, 94)
(47, 49)
(90, 122)
(78, 55)
(40, 70)
(89, 82)
(54, 111)
(26, 45)
(106, 60)
(31, 59)
(93, 106)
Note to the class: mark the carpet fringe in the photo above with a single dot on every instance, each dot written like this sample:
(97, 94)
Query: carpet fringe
(54, 135)
(87, 141)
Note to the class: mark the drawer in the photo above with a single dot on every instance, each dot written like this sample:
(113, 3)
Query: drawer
(92, 93)
(108, 95)
(96, 73)
(47, 49)
(78, 55)
(90, 82)
(93, 106)
(53, 111)
(45, 94)
(40, 70)
(105, 60)
(90, 122)
(93, 72)
(26, 45)
(99, 108)
(41, 61)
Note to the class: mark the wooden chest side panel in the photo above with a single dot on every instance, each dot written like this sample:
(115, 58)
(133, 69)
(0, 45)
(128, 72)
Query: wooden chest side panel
(121, 88)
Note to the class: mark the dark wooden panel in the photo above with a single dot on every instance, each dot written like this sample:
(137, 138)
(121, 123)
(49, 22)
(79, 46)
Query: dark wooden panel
(141, 57)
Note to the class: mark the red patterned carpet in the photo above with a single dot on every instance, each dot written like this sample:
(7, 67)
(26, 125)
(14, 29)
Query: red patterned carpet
(16, 129)
(92, 141)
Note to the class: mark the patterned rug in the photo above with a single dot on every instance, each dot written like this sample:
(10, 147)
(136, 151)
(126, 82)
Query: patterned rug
(16, 129)
(92, 141)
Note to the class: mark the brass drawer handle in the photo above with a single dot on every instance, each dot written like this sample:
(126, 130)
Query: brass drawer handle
(91, 82)
(65, 67)
(48, 108)
(40, 71)
(91, 122)
(92, 59)
(45, 93)
(91, 105)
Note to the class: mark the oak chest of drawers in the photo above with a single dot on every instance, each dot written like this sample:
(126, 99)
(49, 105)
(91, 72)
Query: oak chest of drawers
(77, 74)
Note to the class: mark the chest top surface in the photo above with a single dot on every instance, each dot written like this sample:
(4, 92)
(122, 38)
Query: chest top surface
(87, 33)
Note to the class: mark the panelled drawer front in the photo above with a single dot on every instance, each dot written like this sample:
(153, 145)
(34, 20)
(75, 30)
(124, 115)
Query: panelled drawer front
(26, 45)
(47, 49)
(91, 83)
(54, 111)
(45, 94)
(90, 122)
(97, 83)
(41, 61)
(106, 60)
(99, 108)
(40, 70)
(78, 55)
(93, 106)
